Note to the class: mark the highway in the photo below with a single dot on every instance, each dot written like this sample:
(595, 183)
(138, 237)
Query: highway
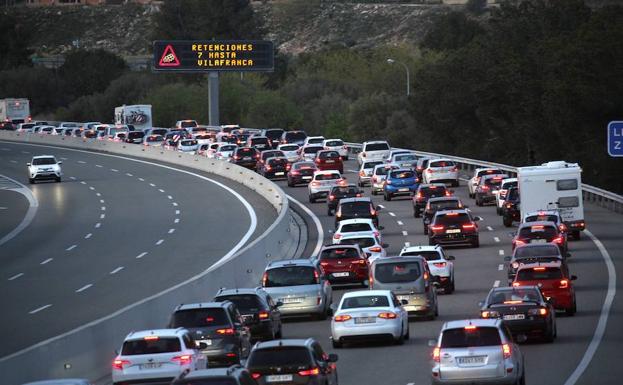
(113, 232)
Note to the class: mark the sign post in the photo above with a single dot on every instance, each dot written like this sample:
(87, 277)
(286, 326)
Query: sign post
(212, 57)
(615, 139)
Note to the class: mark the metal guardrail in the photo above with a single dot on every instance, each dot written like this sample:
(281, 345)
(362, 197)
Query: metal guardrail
(596, 195)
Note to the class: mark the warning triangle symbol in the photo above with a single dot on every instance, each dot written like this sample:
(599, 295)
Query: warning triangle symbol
(169, 58)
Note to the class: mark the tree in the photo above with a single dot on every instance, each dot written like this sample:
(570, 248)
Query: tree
(87, 72)
(14, 42)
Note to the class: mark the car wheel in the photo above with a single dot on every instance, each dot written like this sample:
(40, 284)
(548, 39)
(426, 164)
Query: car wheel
(450, 288)
(408, 335)
(476, 242)
(416, 212)
(58, 180)
(388, 197)
(549, 336)
(576, 235)
(329, 212)
(336, 344)
(312, 200)
(455, 183)
(508, 222)
(400, 340)
(497, 210)
(425, 230)
(31, 181)
(279, 334)
(321, 316)
(572, 310)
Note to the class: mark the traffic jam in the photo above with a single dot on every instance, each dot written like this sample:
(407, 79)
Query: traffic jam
(366, 294)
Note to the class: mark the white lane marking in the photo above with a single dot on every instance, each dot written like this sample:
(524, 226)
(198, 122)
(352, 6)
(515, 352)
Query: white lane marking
(381, 206)
(91, 188)
(489, 228)
(496, 239)
(114, 170)
(103, 208)
(13, 161)
(174, 203)
(102, 216)
(141, 255)
(16, 276)
(171, 231)
(33, 205)
(82, 162)
(392, 214)
(89, 235)
(37, 310)
(98, 194)
(72, 177)
(152, 185)
(46, 261)
(102, 201)
(177, 212)
(169, 197)
(116, 270)
(99, 165)
(25, 152)
(141, 179)
(500, 267)
(317, 223)
(161, 190)
(501, 252)
(176, 220)
(496, 283)
(83, 288)
(3, 208)
(400, 223)
(355, 171)
(407, 244)
(603, 316)
(83, 182)
(6, 149)
(70, 248)
(405, 233)
(159, 242)
(128, 174)
(97, 225)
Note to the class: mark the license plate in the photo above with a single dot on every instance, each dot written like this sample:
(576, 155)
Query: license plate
(365, 320)
(330, 161)
(279, 173)
(150, 365)
(246, 158)
(401, 297)
(538, 241)
(279, 378)
(307, 177)
(453, 231)
(292, 300)
(345, 274)
(403, 189)
(471, 360)
(510, 317)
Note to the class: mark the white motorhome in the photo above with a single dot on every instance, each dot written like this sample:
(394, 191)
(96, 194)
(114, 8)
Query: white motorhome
(553, 185)
(139, 116)
(15, 110)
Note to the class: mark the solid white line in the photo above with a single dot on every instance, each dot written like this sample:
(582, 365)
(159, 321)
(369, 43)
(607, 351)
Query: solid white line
(500, 267)
(174, 203)
(405, 233)
(128, 174)
(177, 212)
(159, 242)
(16, 276)
(99, 165)
(152, 185)
(14, 161)
(46, 261)
(102, 216)
(400, 223)
(381, 206)
(141, 255)
(72, 177)
(603, 316)
(171, 231)
(407, 244)
(116, 270)
(37, 310)
(169, 196)
(141, 179)
(97, 225)
(317, 223)
(81, 162)
(114, 170)
(496, 283)
(176, 220)
(89, 235)
(83, 288)
(392, 214)
(33, 205)
(496, 239)
(501, 252)
(161, 190)
(70, 248)
(489, 228)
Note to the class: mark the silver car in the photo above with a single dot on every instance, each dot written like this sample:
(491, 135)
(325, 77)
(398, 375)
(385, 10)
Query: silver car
(300, 286)
(379, 174)
(322, 182)
(478, 351)
(365, 172)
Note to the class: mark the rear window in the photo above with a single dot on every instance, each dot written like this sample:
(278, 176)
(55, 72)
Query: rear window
(493, 182)
(368, 165)
(259, 141)
(273, 134)
(494, 171)
(441, 163)
(155, 346)
(230, 147)
(159, 131)
(281, 356)
(465, 338)
(246, 303)
(407, 157)
(396, 272)
(544, 250)
(315, 140)
(542, 218)
(270, 154)
(135, 134)
(450, 220)
(444, 205)
(246, 151)
(328, 155)
(513, 294)
(352, 227)
(377, 147)
(196, 318)
(365, 301)
(355, 208)
(328, 176)
(277, 161)
(381, 171)
(427, 255)
(539, 273)
(344, 190)
(292, 136)
(363, 242)
(293, 147)
(334, 143)
(298, 166)
(189, 142)
(513, 194)
(311, 150)
(402, 174)
(185, 124)
(338, 253)
(290, 276)
(538, 231)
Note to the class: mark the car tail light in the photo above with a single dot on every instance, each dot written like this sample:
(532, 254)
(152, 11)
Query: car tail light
(309, 372)
(359, 195)
(183, 359)
(439, 264)
(562, 227)
(331, 197)
(372, 212)
(264, 279)
(538, 311)
(362, 173)
(448, 193)
(359, 262)
(506, 350)
(294, 172)
(469, 226)
(226, 332)
(257, 156)
(263, 315)
(318, 161)
(437, 354)
(437, 227)
(376, 249)
(388, 181)
(515, 284)
(429, 171)
(255, 376)
(387, 315)
(288, 167)
(268, 168)
(558, 240)
(324, 263)
(509, 205)
(342, 318)
(230, 355)
(426, 275)
(419, 195)
(470, 327)
(337, 236)
(564, 284)
(518, 242)
(370, 281)
(119, 364)
(455, 169)
(315, 183)
(345, 147)
(317, 278)
(363, 154)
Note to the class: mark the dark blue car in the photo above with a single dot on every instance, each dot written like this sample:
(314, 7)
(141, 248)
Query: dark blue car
(401, 181)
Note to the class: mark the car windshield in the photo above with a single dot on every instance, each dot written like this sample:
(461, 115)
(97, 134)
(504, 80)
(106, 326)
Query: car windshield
(441, 163)
(538, 231)
(545, 250)
(355, 208)
(352, 227)
(279, 357)
(292, 136)
(201, 317)
(246, 303)
(539, 273)
(332, 176)
(470, 337)
(292, 147)
(290, 276)
(339, 252)
(428, 255)
(501, 296)
(396, 272)
(363, 242)
(369, 165)
(377, 147)
(334, 143)
(271, 154)
(452, 219)
(365, 301)
(542, 218)
(43, 161)
(311, 150)
(151, 346)
(401, 174)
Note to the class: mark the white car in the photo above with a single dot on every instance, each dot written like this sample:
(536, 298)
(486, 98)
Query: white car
(315, 140)
(48, 130)
(25, 127)
(225, 151)
(404, 159)
(379, 174)
(185, 124)
(475, 179)
(161, 354)
(396, 152)
(369, 314)
(500, 197)
(336, 145)
(439, 264)
(441, 170)
(375, 150)
(358, 227)
(308, 152)
(189, 146)
(290, 151)
(365, 172)
(44, 167)
(322, 182)
(370, 244)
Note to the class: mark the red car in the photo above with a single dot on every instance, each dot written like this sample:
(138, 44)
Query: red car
(554, 281)
(540, 232)
(344, 263)
(329, 160)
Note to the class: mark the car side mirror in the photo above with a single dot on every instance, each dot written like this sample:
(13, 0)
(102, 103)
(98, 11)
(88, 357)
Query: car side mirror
(404, 302)
(477, 218)
(278, 304)
(574, 277)
(202, 346)
(332, 357)
(507, 258)
(450, 258)
(378, 208)
(432, 343)
(59, 162)
(381, 227)
(28, 164)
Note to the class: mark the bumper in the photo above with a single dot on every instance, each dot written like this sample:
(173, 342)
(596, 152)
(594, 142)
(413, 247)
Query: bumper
(353, 277)
(301, 310)
(340, 332)
(454, 239)
(319, 192)
(400, 190)
(378, 187)
(46, 176)
(225, 356)
(510, 379)
(532, 325)
(486, 198)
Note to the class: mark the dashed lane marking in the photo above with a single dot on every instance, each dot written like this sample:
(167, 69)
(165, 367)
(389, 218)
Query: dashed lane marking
(70, 248)
(169, 197)
(496, 239)
(500, 267)
(91, 188)
(82, 162)
(102, 201)
(407, 244)
(174, 203)
(128, 174)
(89, 235)
(392, 214)
(103, 208)
(116, 270)
(72, 177)
(141, 255)
(99, 165)
(171, 231)
(400, 223)
(177, 212)
(176, 220)
(102, 216)
(161, 190)
(405, 233)
(159, 242)
(141, 179)
(97, 225)
(501, 252)
(381, 206)
(37, 310)
(489, 228)
(98, 194)
(114, 170)
(83, 288)
(16, 276)
(83, 182)
(46, 261)
(152, 185)
(496, 283)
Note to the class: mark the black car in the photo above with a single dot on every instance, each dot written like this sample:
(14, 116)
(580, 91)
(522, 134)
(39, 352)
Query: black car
(293, 137)
(233, 375)
(488, 186)
(437, 204)
(339, 192)
(245, 157)
(275, 168)
(533, 253)
(301, 172)
(265, 155)
(426, 191)
(511, 208)
(454, 227)
(220, 326)
(258, 309)
(135, 137)
(292, 362)
(523, 310)
(352, 208)
(274, 134)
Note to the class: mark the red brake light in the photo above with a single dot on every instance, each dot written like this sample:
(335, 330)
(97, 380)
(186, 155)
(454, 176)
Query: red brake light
(448, 193)
(375, 249)
(538, 227)
(255, 376)
(183, 360)
(506, 350)
(559, 240)
(538, 268)
(227, 332)
(315, 183)
(469, 226)
(439, 264)
(294, 172)
(337, 236)
(387, 315)
(331, 197)
(151, 338)
(437, 227)
(359, 262)
(342, 318)
(264, 279)
(470, 327)
(119, 364)
(419, 195)
(309, 372)
(324, 263)
(437, 354)
(263, 315)
(516, 284)
(564, 284)
(316, 276)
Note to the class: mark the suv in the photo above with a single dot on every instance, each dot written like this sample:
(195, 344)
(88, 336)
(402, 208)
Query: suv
(511, 208)
(322, 182)
(374, 150)
(273, 134)
(44, 167)
(344, 263)
(309, 152)
(400, 182)
(157, 356)
(532, 253)
(501, 196)
(440, 264)
(488, 189)
(245, 157)
(295, 137)
(292, 362)
(426, 191)
(329, 160)
(291, 151)
(336, 145)
(540, 232)
(352, 208)
(265, 155)
(454, 227)
(301, 172)
(274, 168)
(437, 204)
(441, 170)
(257, 309)
(339, 192)
(219, 326)
(410, 279)
(300, 286)
(234, 375)
(475, 180)
(553, 280)
(476, 351)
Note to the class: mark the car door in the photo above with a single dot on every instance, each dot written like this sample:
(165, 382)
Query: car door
(404, 315)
